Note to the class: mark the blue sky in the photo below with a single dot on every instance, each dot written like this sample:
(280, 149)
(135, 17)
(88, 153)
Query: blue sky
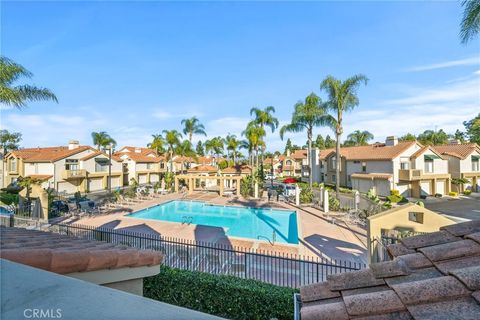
(136, 68)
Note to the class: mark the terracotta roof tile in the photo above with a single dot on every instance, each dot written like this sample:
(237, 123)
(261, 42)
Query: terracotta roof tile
(64, 254)
(370, 152)
(373, 303)
(48, 154)
(465, 309)
(461, 229)
(203, 168)
(238, 169)
(470, 276)
(353, 280)
(398, 249)
(451, 250)
(317, 291)
(430, 290)
(328, 311)
(461, 151)
(428, 239)
(433, 276)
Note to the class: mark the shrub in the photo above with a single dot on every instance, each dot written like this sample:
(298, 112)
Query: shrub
(420, 203)
(453, 194)
(395, 192)
(224, 296)
(467, 192)
(438, 195)
(387, 205)
(306, 195)
(8, 198)
(394, 198)
(333, 203)
(346, 190)
(246, 186)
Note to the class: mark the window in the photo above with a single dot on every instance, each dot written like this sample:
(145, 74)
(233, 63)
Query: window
(101, 165)
(415, 217)
(36, 168)
(404, 165)
(364, 167)
(288, 163)
(334, 162)
(475, 164)
(162, 165)
(334, 178)
(349, 178)
(149, 166)
(356, 161)
(13, 165)
(428, 166)
(71, 164)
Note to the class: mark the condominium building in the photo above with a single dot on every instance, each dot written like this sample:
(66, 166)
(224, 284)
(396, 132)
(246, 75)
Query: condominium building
(67, 169)
(142, 164)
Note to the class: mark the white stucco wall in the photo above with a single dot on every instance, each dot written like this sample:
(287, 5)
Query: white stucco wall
(39, 168)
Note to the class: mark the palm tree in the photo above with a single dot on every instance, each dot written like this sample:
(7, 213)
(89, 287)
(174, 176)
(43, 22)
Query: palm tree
(245, 144)
(185, 149)
(18, 96)
(264, 118)
(232, 145)
(157, 143)
(433, 137)
(172, 139)
(307, 115)
(342, 97)
(359, 138)
(470, 25)
(215, 146)
(102, 139)
(193, 126)
(254, 133)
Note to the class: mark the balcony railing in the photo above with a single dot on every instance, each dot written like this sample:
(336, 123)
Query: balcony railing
(74, 174)
(409, 174)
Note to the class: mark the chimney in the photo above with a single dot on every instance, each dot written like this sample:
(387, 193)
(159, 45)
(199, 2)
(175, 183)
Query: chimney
(138, 150)
(454, 141)
(391, 141)
(73, 144)
(288, 152)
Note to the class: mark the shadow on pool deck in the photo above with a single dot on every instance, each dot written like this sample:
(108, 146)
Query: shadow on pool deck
(138, 228)
(334, 248)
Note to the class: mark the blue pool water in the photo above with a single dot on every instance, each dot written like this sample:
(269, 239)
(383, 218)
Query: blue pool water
(253, 223)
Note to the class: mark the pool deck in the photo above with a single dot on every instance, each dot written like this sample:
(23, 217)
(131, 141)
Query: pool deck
(317, 235)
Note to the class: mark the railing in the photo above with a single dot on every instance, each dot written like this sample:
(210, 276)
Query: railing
(74, 174)
(409, 174)
(288, 270)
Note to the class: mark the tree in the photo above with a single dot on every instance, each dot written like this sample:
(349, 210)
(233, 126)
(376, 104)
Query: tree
(232, 145)
(254, 134)
(459, 136)
(329, 142)
(472, 129)
(102, 139)
(199, 149)
(408, 137)
(264, 118)
(307, 115)
(9, 141)
(27, 183)
(470, 25)
(184, 149)
(18, 96)
(157, 143)
(192, 126)
(359, 138)
(432, 137)
(172, 139)
(215, 146)
(288, 146)
(342, 98)
(319, 142)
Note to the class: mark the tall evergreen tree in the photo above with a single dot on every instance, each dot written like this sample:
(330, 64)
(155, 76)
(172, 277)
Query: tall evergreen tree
(319, 142)
(329, 142)
(472, 129)
(288, 146)
(200, 149)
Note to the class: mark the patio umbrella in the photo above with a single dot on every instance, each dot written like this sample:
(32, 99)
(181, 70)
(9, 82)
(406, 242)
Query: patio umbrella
(290, 180)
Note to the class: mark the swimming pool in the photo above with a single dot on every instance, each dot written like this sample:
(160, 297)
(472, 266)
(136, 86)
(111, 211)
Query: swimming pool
(243, 222)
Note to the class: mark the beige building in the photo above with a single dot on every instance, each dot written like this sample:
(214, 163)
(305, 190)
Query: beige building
(463, 163)
(408, 219)
(409, 167)
(141, 164)
(291, 163)
(67, 169)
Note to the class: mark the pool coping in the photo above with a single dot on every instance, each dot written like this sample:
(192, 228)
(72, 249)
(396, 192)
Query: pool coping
(254, 241)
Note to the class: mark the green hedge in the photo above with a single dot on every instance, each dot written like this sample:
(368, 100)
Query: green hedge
(224, 296)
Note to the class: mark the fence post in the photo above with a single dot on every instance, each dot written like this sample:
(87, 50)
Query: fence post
(357, 200)
(325, 201)
(12, 221)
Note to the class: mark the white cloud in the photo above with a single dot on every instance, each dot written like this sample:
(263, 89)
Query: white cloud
(446, 64)
(162, 114)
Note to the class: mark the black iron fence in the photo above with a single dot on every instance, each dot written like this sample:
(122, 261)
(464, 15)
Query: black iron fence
(288, 270)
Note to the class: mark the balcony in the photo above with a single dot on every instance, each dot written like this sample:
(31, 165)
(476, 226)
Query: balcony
(409, 174)
(74, 174)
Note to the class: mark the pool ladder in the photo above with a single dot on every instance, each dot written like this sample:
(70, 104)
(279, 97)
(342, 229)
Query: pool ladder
(187, 220)
(274, 238)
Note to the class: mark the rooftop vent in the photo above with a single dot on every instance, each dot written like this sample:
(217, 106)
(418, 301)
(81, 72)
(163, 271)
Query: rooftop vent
(73, 144)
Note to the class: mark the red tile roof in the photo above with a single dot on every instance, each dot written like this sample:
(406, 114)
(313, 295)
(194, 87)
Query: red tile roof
(65, 254)
(40, 176)
(49, 154)
(461, 151)
(203, 168)
(431, 276)
(377, 151)
(139, 154)
(238, 169)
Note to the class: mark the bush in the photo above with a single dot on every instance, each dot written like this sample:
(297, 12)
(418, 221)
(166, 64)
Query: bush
(306, 195)
(420, 203)
(396, 199)
(467, 192)
(438, 195)
(246, 189)
(333, 203)
(224, 296)
(8, 198)
(395, 192)
(453, 194)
